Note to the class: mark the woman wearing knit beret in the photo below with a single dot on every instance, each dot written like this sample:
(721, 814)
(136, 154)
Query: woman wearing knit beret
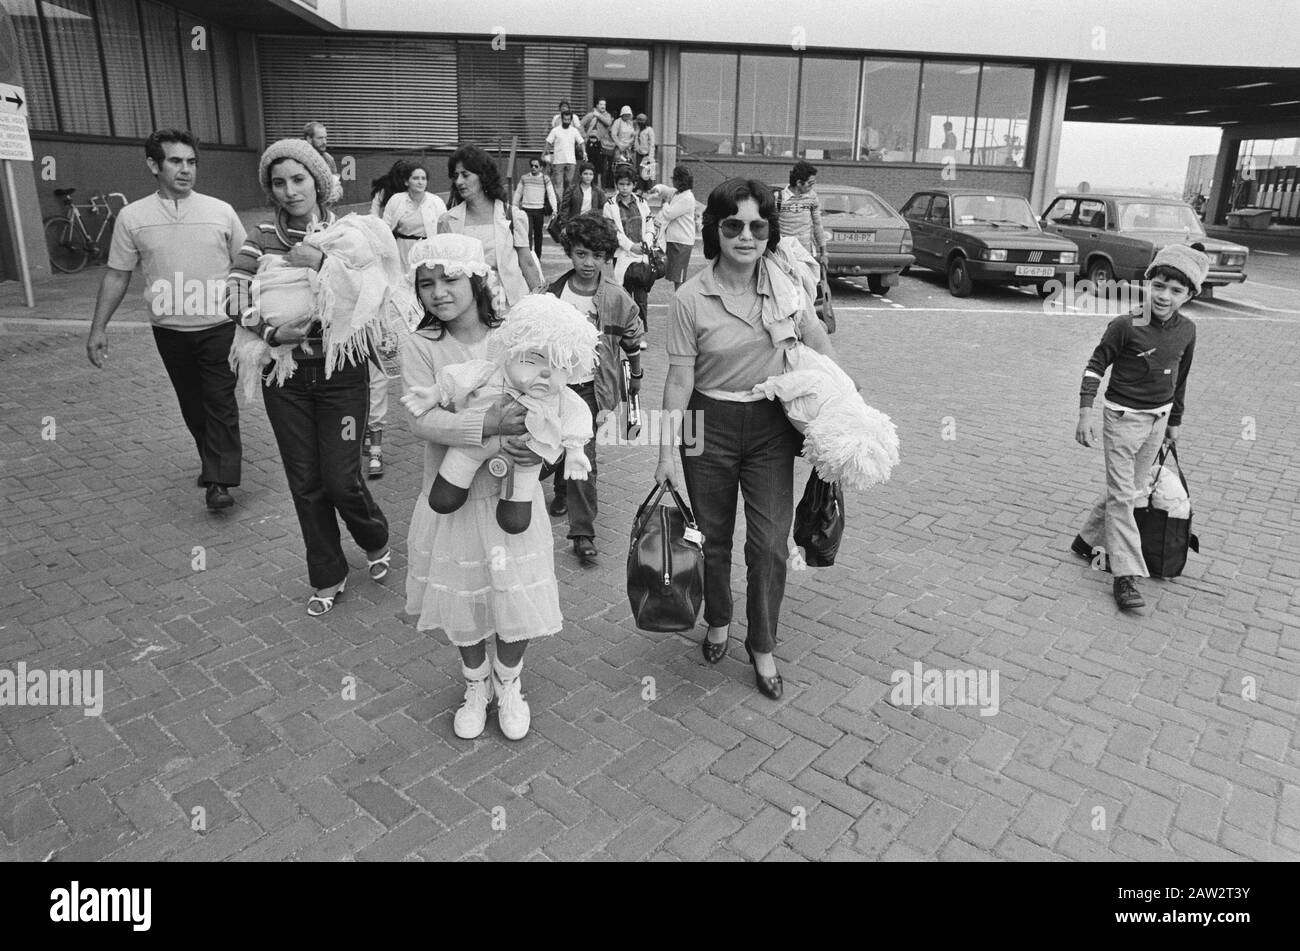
(317, 392)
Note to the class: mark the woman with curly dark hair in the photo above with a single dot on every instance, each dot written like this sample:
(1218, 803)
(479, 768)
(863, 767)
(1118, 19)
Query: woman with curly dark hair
(590, 241)
(480, 208)
(719, 348)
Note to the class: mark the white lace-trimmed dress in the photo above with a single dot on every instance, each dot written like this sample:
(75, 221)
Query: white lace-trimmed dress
(465, 576)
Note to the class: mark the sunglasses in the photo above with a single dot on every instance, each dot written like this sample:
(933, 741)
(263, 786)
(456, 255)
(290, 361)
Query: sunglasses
(534, 165)
(733, 227)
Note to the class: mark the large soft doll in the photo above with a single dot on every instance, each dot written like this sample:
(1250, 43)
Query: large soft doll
(542, 343)
(845, 440)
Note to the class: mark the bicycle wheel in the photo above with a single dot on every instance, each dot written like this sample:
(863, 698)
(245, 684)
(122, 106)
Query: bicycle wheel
(67, 247)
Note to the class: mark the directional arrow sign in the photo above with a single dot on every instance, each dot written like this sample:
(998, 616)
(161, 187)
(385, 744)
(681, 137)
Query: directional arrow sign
(13, 101)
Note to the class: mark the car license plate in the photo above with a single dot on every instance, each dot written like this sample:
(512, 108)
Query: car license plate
(856, 237)
(1031, 270)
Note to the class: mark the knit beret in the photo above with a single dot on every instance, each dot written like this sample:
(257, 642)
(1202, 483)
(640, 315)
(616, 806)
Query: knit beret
(328, 190)
(1186, 260)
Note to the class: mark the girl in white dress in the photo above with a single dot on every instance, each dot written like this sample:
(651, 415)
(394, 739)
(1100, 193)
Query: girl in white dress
(466, 576)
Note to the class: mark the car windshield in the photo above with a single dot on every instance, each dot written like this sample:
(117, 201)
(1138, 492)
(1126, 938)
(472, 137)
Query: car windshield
(1142, 215)
(849, 203)
(999, 210)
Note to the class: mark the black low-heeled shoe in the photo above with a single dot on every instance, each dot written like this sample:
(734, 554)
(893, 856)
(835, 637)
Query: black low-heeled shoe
(714, 652)
(770, 687)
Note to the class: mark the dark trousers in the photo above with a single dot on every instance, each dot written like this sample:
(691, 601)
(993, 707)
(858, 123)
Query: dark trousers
(750, 447)
(604, 163)
(581, 494)
(198, 364)
(535, 229)
(318, 424)
(640, 291)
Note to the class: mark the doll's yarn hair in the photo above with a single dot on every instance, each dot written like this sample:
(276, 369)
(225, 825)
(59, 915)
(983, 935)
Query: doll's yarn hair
(547, 324)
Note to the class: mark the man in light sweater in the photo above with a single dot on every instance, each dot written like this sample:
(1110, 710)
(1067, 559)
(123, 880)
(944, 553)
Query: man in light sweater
(183, 242)
(1150, 353)
(531, 194)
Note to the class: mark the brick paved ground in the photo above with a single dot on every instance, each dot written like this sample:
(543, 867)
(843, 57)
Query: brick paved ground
(1116, 737)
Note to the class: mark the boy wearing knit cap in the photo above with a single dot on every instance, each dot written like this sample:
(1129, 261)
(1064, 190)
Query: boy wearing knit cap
(1150, 353)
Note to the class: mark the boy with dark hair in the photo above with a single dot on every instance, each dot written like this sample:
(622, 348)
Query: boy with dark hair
(590, 241)
(801, 211)
(1150, 353)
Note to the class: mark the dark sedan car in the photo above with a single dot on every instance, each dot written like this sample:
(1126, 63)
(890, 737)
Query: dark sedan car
(1118, 235)
(981, 237)
(865, 237)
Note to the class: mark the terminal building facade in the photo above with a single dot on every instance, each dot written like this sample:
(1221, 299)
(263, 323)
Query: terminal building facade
(893, 95)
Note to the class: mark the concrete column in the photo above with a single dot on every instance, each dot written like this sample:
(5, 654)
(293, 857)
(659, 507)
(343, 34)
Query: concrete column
(1047, 134)
(1225, 168)
(666, 75)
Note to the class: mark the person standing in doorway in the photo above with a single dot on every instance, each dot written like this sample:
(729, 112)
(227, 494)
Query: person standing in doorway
(623, 131)
(182, 240)
(597, 123)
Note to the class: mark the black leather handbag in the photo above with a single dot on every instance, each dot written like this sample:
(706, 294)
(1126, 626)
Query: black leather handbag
(665, 565)
(1165, 539)
(819, 522)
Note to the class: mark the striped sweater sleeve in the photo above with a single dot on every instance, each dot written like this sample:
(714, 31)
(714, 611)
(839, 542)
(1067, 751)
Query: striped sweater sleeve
(239, 298)
(1112, 342)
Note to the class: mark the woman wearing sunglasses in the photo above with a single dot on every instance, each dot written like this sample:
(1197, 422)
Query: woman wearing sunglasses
(720, 345)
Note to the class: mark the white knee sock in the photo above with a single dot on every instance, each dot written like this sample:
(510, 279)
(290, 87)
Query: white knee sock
(475, 673)
(506, 674)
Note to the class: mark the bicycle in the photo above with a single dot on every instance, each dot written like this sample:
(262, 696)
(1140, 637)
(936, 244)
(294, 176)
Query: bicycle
(66, 236)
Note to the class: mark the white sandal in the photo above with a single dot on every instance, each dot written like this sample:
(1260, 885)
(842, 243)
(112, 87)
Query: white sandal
(326, 603)
(381, 563)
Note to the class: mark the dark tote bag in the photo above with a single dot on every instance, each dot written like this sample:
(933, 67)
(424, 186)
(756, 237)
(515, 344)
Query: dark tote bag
(1165, 539)
(665, 565)
(825, 304)
(819, 522)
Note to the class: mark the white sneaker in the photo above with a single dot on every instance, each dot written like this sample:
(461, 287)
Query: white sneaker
(512, 711)
(471, 718)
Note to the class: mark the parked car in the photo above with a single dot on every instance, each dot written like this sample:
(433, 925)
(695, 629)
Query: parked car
(1118, 235)
(864, 235)
(975, 237)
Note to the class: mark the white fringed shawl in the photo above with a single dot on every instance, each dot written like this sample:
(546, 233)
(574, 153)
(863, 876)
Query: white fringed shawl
(359, 296)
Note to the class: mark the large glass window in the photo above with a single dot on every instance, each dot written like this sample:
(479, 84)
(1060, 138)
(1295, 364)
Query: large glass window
(166, 77)
(34, 66)
(199, 93)
(828, 100)
(767, 105)
(74, 56)
(1006, 96)
(881, 109)
(225, 59)
(888, 109)
(119, 31)
(708, 103)
(947, 121)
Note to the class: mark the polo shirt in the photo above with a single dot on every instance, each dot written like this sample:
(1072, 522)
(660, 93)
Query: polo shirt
(730, 351)
(195, 238)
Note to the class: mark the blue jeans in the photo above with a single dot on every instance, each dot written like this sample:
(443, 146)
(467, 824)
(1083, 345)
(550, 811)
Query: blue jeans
(748, 447)
(318, 424)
